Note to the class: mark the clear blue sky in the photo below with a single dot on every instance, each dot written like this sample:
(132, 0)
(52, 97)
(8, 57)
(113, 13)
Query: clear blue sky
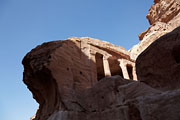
(24, 24)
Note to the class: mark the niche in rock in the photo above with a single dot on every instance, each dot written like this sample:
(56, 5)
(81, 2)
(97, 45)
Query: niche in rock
(114, 67)
(130, 69)
(99, 66)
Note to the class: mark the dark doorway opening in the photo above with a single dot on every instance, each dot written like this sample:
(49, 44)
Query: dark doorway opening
(114, 67)
(130, 69)
(99, 66)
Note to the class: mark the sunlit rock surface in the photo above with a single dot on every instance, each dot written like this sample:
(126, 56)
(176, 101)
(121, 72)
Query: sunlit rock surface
(55, 72)
(88, 79)
(163, 17)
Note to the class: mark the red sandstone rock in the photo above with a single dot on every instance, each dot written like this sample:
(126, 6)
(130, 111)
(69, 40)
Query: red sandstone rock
(67, 79)
(55, 71)
(163, 17)
(163, 11)
(110, 99)
(164, 106)
(158, 65)
(86, 79)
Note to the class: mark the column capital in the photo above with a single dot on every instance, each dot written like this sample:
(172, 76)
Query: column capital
(105, 57)
(119, 60)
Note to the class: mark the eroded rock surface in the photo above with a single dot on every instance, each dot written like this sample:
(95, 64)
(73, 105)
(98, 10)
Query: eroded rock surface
(55, 72)
(113, 98)
(89, 79)
(60, 76)
(159, 64)
(163, 17)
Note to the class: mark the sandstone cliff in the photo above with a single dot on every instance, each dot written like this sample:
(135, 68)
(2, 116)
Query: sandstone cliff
(57, 72)
(163, 17)
(60, 76)
(89, 79)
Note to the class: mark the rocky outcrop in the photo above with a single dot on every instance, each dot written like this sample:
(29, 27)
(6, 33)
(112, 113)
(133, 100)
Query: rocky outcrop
(163, 11)
(89, 79)
(55, 72)
(164, 106)
(60, 76)
(163, 17)
(110, 99)
(161, 106)
(160, 66)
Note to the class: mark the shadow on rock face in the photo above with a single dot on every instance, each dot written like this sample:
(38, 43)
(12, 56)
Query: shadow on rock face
(111, 98)
(62, 80)
(158, 65)
(52, 71)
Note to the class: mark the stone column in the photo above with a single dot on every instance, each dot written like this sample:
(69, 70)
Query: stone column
(124, 69)
(134, 72)
(107, 71)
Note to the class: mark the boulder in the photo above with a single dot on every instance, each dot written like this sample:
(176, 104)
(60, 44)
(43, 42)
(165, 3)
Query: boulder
(110, 99)
(164, 106)
(159, 65)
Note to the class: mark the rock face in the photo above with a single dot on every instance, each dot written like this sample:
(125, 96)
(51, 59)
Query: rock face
(89, 79)
(55, 71)
(60, 76)
(161, 62)
(163, 17)
(107, 100)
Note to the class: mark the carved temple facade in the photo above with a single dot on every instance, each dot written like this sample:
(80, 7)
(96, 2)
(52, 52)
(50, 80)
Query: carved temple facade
(106, 59)
(54, 69)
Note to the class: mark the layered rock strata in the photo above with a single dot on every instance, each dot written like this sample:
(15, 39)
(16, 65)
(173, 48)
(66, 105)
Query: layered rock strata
(163, 17)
